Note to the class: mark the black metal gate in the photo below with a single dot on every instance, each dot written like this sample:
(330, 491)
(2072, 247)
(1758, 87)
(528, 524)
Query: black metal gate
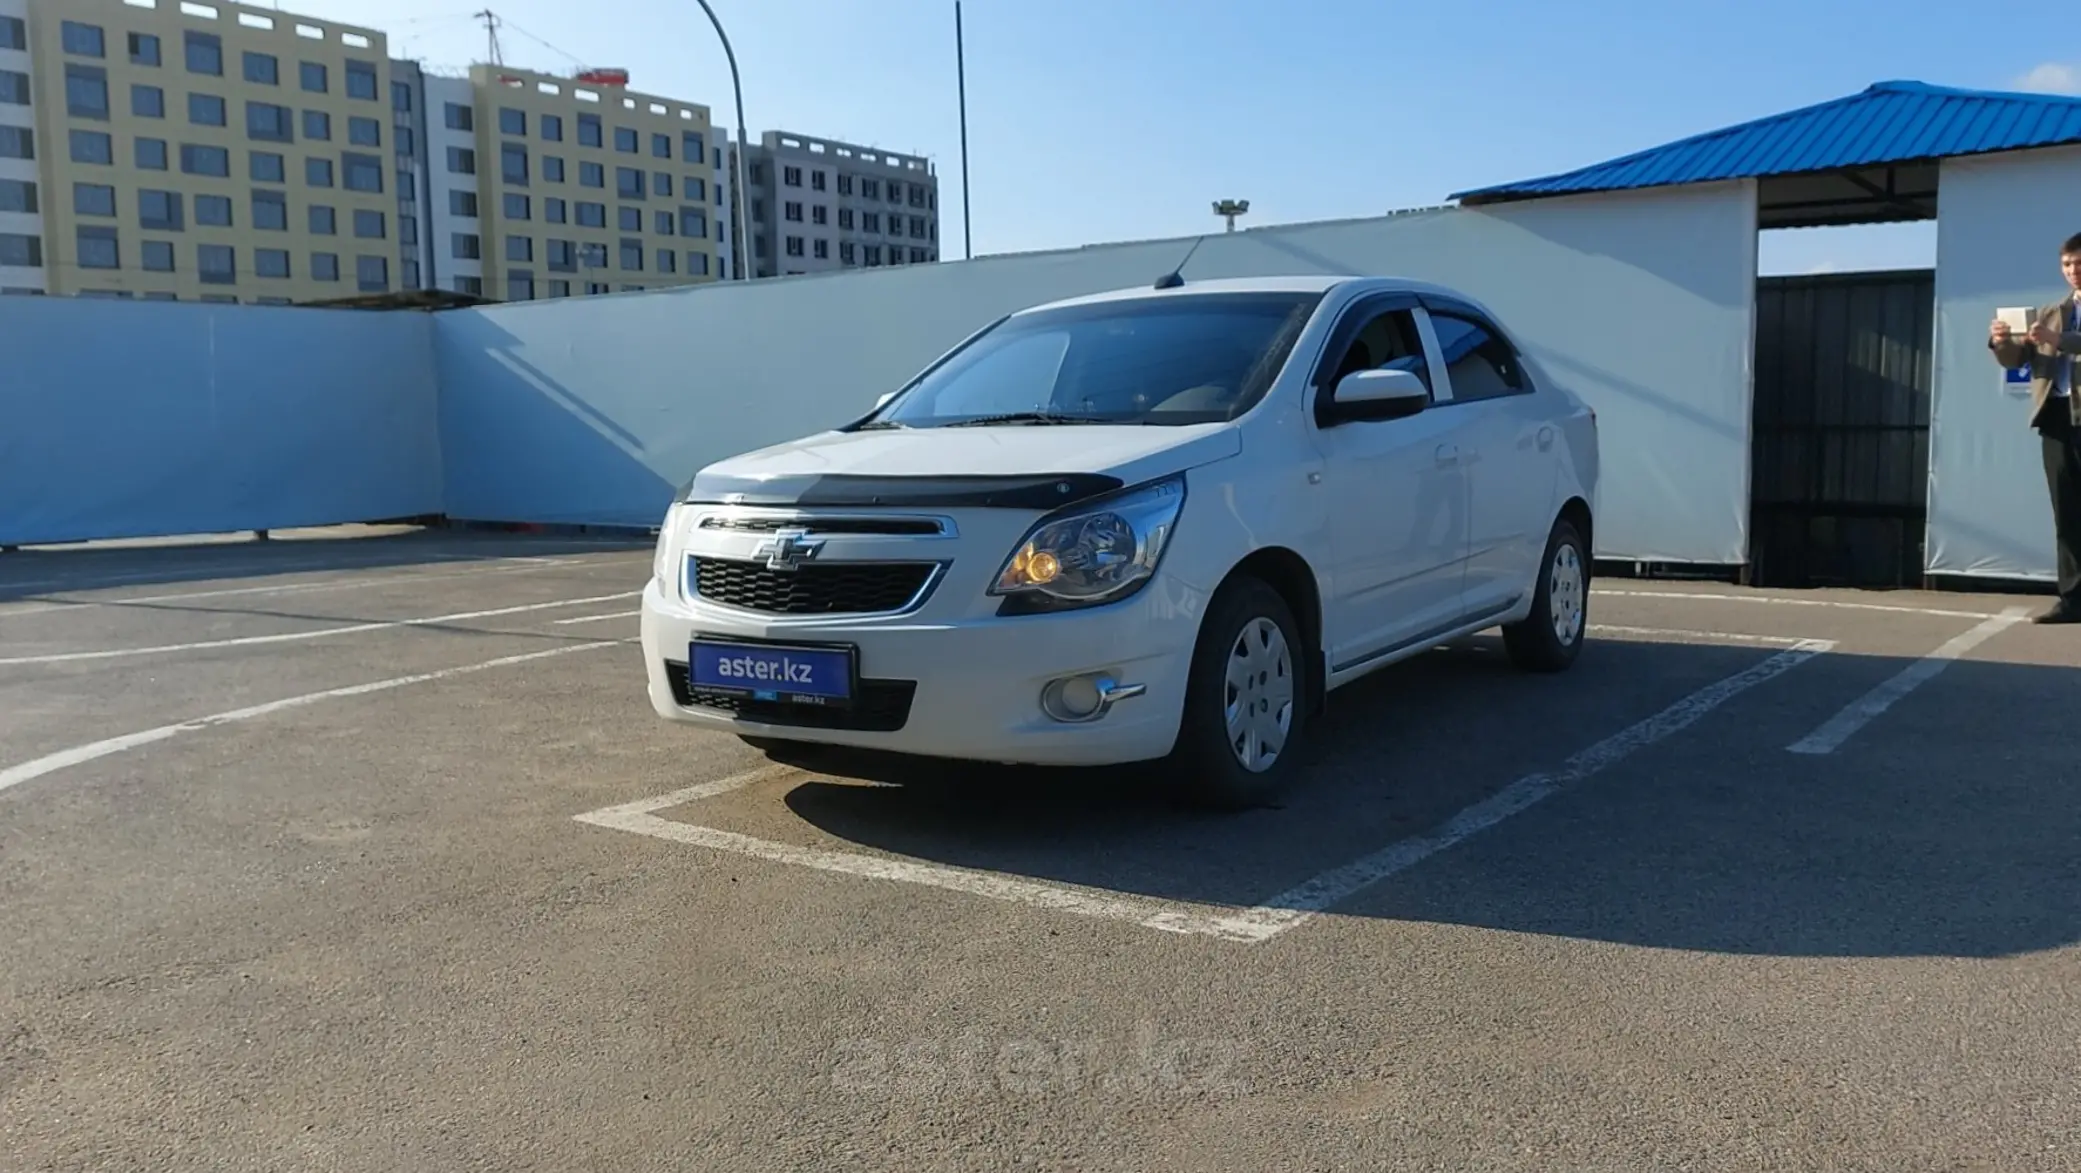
(1839, 492)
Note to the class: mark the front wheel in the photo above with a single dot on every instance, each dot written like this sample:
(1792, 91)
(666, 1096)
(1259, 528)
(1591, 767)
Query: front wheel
(1245, 701)
(1549, 639)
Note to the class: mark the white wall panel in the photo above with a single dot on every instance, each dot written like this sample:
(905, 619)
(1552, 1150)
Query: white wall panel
(592, 410)
(2000, 222)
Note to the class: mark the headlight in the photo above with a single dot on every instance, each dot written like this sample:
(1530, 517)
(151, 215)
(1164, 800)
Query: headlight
(658, 567)
(1094, 555)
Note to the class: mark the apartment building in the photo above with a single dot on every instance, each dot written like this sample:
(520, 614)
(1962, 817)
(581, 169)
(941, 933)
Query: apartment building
(819, 205)
(203, 151)
(559, 186)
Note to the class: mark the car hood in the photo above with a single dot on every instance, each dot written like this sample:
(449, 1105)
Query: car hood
(1010, 465)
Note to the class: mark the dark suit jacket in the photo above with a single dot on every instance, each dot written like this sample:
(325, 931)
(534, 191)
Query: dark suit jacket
(2044, 360)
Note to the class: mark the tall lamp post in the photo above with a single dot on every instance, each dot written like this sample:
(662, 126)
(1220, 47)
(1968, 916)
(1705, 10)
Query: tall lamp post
(1230, 209)
(738, 247)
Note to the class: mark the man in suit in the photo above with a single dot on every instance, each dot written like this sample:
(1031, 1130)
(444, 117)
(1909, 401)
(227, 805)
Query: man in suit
(2052, 351)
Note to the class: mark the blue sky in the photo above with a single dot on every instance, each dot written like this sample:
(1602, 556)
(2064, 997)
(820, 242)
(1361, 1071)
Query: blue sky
(1100, 120)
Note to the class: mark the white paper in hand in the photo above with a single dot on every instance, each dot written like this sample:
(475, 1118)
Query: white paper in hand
(2017, 318)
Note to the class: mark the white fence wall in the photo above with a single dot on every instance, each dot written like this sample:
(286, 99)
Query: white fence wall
(593, 410)
(2000, 222)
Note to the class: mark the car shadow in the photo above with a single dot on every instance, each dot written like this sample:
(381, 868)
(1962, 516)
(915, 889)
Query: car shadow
(1904, 842)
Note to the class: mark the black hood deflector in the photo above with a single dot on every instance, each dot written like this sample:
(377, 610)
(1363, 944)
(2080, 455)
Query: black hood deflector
(1039, 491)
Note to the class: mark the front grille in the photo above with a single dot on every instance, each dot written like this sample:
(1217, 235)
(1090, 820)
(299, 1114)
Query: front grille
(827, 588)
(826, 525)
(881, 706)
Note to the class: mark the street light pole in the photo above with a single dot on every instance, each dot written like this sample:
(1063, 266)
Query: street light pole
(738, 247)
(961, 82)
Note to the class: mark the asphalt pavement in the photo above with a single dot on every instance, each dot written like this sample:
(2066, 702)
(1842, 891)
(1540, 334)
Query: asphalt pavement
(369, 854)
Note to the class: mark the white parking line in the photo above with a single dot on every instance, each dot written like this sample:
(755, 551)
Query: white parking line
(203, 572)
(1860, 712)
(1684, 633)
(1251, 925)
(597, 618)
(64, 759)
(1774, 601)
(490, 566)
(326, 633)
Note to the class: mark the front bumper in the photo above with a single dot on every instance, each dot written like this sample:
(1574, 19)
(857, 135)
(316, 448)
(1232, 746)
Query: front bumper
(964, 688)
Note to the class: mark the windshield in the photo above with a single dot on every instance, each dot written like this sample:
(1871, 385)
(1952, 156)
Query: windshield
(1181, 359)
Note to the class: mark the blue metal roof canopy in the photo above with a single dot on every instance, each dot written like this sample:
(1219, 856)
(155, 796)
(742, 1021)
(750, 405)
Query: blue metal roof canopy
(1869, 157)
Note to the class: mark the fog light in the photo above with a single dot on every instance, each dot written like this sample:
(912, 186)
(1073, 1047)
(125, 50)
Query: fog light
(1084, 698)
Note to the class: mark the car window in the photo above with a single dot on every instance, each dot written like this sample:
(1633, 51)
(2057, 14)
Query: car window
(1388, 342)
(1480, 363)
(1182, 359)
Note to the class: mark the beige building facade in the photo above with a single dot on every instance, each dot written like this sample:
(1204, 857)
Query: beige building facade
(211, 151)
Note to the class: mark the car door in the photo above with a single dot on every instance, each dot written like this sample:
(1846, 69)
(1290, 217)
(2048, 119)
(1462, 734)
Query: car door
(1508, 452)
(1399, 496)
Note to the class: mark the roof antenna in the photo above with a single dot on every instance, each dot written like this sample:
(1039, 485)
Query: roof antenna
(1175, 277)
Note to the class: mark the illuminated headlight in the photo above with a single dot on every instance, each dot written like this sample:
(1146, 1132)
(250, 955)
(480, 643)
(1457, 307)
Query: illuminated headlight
(1095, 555)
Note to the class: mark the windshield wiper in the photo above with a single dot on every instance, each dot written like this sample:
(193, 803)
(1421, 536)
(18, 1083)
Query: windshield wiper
(879, 425)
(1024, 417)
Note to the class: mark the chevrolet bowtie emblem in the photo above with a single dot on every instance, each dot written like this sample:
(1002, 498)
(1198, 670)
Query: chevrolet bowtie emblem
(788, 549)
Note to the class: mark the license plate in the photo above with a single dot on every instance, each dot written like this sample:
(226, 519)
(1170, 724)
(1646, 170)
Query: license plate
(808, 675)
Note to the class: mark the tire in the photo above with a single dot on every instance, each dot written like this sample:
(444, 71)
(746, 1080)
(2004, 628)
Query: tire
(1205, 764)
(1549, 639)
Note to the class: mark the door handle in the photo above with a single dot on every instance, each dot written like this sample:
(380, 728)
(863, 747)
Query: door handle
(1448, 455)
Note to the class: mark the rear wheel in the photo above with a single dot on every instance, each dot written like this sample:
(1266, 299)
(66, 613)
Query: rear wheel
(1549, 639)
(1245, 701)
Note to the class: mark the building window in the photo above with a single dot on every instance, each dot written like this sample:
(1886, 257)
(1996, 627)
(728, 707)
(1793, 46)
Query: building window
(268, 167)
(792, 210)
(159, 210)
(401, 97)
(520, 248)
(563, 257)
(317, 125)
(362, 172)
(870, 189)
(552, 128)
(845, 252)
(151, 154)
(516, 206)
(591, 215)
(845, 185)
(14, 88)
(791, 176)
(408, 233)
(408, 273)
(206, 110)
(589, 130)
(668, 260)
(213, 211)
(271, 262)
(462, 161)
(14, 34)
(553, 210)
(692, 149)
(874, 255)
(820, 248)
(625, 140)
(871, 222)
(205, 52)
(632, 256)
(697, 190)
(512, 121)
(148, 101)
(86, 40)
(591, 174)
(317, 172)
(18, 195)
(405, 141)
(458, 116)
(271, 211)
(370, 225)
(666, 224)
(820, 215)
(262, 69)
(157, 256)
(98, 248)
(917, 256)
(314, 77)
(324, 220)
(93, 199)
(628, 183)
(92, 146)
(794, 246)
(462, 203)
(631, 219)
(693, 222)
(269, 123)
(202, 160)
(513, 163)
(552, 169)
(697, 264)
(361, 83)
(364, 132)
(86, 92)
(325, 266)
(520, 286)
(559, 289)
(816, 180)
(466, 246)
(21, 252)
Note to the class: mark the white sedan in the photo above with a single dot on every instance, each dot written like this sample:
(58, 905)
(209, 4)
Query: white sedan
(1162, 523)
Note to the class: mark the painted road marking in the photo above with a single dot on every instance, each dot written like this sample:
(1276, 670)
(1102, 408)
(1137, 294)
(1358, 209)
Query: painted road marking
(1250, 925)
(66, 758)
(1683, 633)
(596, 618)
(1770, 599)
(490, 566)
(326, 633)
(1860, 712)
(207, 573)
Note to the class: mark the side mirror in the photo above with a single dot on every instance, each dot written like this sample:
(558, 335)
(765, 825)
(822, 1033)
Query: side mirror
(1378, 395)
